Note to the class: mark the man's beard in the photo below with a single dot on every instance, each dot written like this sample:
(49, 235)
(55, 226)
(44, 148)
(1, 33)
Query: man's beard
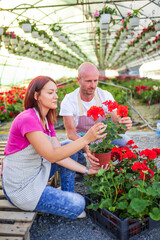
(87, 91)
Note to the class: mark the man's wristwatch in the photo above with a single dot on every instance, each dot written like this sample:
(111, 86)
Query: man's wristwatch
(86, 172)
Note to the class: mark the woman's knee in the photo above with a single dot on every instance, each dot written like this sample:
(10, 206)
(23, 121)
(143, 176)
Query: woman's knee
(78, 203)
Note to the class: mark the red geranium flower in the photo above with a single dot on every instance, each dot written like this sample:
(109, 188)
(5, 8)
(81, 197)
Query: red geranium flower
(95, 111)
(122, 111)
(111, 105)
(150, 154)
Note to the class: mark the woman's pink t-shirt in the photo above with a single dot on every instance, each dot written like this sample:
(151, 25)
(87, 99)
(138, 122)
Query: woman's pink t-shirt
(26, 121)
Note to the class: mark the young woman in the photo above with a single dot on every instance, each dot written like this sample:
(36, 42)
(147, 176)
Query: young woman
(33, 154)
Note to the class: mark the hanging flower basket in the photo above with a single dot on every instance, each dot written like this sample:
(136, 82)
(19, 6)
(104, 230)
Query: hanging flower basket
(26, 27)
(45, 40)
(19, 48)
(51, 44)
(27, 46)
(57, 34)
(157, 26)
(134, 21)
(41, 37)
(34, 34)
(1, 30)
(14, 41)
(21, 43)
(105, 18)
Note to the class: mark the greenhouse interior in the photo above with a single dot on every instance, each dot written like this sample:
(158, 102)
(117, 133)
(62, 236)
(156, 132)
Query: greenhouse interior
(121, 40)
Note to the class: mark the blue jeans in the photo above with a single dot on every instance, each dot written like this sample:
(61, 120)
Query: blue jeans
(63, 202)
(123, 141)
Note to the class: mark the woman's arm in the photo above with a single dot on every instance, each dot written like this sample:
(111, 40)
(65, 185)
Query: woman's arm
(71, 164)
(44, 147)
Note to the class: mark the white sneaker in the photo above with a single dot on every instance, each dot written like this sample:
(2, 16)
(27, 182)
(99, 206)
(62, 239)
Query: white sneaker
(82, 215)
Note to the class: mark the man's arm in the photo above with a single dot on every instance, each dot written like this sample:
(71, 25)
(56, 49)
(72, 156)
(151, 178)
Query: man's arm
(72, 134)
(70, 127)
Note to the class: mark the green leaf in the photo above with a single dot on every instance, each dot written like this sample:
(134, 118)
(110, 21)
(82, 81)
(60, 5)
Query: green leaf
(151, 191)
(101, 172)
(105, 203)
(122, 205)
(139, 205)
(134, 193)
(93, 206)
(155, 214)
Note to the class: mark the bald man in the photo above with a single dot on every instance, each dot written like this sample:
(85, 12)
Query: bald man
(75, 105)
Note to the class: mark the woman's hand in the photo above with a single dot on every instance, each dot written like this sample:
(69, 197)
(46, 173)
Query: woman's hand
(94, 170)
(95, 133)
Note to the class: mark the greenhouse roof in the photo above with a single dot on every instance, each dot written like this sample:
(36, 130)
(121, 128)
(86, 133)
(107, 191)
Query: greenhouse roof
(82, 37)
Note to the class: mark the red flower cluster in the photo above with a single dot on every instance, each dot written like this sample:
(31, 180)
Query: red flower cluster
(121, 153)
(144, 171)
(150, 154)
(111, 105)
(122, 111)
(95, 111)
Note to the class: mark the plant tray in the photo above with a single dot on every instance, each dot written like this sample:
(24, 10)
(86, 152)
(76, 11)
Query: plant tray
(122, 229)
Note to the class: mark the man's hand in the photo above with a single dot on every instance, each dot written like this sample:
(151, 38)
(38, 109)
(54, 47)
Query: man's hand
(127, 121)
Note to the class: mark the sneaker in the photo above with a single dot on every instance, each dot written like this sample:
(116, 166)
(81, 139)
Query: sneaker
(82, 215)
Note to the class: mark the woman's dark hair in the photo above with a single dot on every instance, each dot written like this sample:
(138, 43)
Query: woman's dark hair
(36, 85)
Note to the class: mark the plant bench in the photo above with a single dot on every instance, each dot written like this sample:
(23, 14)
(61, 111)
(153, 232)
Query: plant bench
(15, 223)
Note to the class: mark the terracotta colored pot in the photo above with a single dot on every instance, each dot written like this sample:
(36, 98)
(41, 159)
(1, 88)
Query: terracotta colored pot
(104, 158)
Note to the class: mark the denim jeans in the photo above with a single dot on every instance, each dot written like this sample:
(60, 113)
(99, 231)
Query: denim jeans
(123, 141)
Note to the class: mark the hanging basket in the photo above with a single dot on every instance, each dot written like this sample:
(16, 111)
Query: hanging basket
(34, 34)
(1, 30)
(105, 18)
(134, 22)
(26, 27)
(50, 43)
(45, 40)
(41, 37)
(21, 43)
(157, 26)
(14, 41)
(57, 33)
(104, 26)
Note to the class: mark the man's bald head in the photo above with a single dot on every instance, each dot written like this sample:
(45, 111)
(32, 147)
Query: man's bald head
(87, 68)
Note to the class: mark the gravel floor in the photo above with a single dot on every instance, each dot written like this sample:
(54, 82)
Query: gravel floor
(57, 228)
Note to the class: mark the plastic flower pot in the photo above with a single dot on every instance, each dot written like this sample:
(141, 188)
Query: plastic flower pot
(104, 158)
(105, 18)
(13, 41)
(57, 33)
(157, 26)
(104, 26)
(34, 34)
(51, 44)
(21, 43)
(26, 27)
(1, 30)
(134, 22)
(45, 40)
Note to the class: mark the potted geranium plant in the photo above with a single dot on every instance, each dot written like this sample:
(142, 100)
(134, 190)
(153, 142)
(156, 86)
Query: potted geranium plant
(130, 190)
(113, 130)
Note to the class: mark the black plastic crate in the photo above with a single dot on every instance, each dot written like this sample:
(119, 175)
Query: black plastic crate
(122, 229)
